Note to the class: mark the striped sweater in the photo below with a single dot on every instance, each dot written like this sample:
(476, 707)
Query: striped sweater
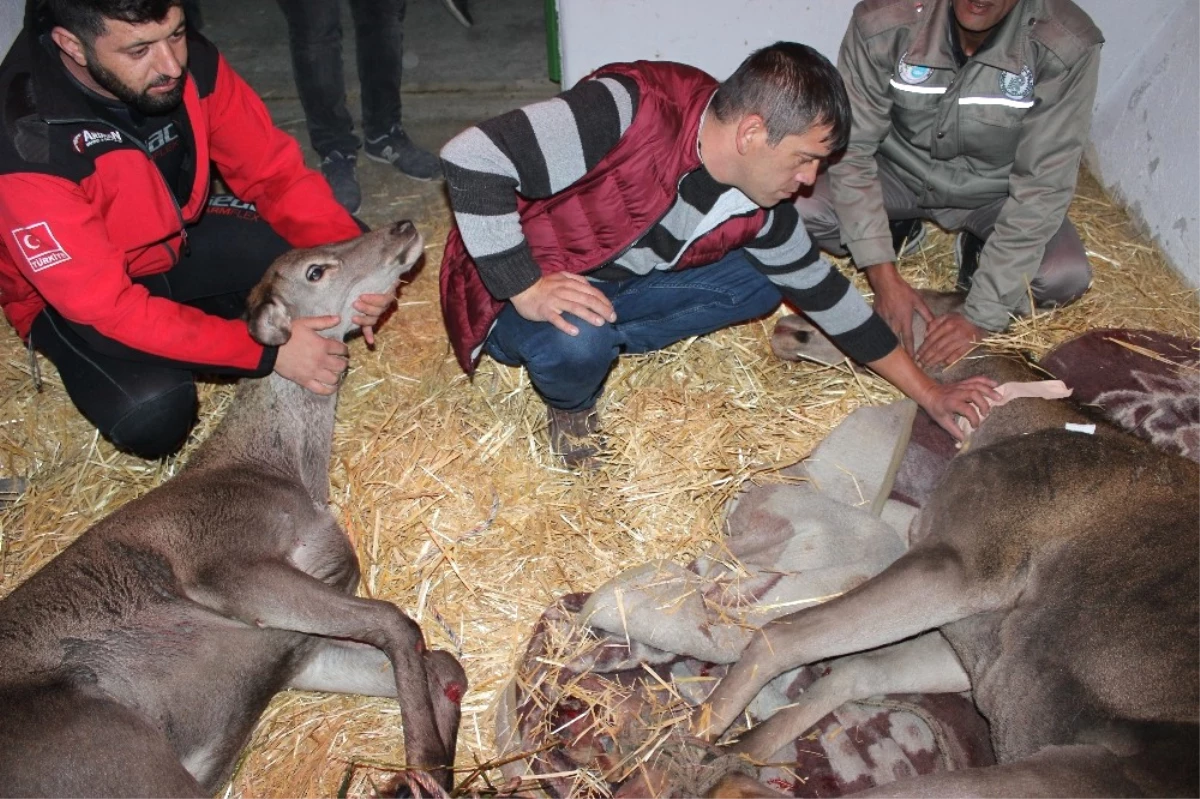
(539, 150)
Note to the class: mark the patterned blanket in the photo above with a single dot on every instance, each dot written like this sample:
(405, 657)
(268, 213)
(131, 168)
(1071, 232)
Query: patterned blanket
(1142, 381)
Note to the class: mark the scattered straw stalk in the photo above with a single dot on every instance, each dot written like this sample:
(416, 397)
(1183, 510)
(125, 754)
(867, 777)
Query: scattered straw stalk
(459, 515)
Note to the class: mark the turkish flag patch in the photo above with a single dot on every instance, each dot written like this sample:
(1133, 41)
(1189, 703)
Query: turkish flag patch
(38, 245)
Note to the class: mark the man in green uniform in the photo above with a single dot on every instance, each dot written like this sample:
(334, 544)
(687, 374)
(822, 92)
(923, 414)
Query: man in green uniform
(972, 114)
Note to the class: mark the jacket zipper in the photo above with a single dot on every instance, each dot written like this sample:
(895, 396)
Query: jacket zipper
(185, 248)
(613, 260)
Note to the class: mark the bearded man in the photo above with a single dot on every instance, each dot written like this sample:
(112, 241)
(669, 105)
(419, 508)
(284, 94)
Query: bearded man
(116, 262)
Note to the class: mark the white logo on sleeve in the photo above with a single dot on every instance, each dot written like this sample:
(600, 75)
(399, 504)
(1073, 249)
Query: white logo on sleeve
(39, 246)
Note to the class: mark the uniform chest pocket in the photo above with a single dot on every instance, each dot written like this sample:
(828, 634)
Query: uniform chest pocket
(990, 132)
(914, 114)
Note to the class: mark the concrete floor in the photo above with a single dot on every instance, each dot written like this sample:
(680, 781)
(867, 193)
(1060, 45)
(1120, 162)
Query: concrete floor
(453, 77)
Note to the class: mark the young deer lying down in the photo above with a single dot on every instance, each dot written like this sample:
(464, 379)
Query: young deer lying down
(1054, 574)
(138, 661)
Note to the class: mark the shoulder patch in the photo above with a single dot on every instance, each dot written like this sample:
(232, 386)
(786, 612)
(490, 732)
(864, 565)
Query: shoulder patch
(38, 246)
(873, 17)
(912, 73)
(1017, 85)
(1066, 30)
(88, 139)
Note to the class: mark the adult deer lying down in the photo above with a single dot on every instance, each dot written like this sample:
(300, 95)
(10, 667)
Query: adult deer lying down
(1052, 573)
(138, 661)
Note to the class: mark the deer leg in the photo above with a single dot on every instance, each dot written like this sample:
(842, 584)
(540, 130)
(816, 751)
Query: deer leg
(926, 588)
(346, 667)
(276, 595)
(925, 664)
(447, 686)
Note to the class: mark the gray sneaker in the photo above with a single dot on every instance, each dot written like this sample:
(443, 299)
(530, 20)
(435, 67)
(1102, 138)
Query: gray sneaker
(458, 10)
(397, 149)
(908, 236)
(338, 169)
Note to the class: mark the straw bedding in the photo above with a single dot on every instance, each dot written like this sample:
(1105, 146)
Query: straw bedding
(459, 515)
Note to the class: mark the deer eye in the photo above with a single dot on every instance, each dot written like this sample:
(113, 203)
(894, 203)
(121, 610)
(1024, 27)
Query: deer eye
(314, 272)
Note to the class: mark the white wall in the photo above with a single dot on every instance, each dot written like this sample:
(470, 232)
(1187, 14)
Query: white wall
(11, 14)
(1145, 129)
(714, 35)
(1125, 26)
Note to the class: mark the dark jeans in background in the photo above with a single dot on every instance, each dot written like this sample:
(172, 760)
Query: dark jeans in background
(143, 403)
(315, 39)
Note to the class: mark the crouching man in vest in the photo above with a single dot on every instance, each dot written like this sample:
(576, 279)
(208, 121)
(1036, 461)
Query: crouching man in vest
(646, 205)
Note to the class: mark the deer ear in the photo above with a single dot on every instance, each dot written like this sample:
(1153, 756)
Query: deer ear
(268, 317)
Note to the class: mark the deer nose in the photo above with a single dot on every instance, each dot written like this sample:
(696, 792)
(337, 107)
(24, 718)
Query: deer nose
(403, 228)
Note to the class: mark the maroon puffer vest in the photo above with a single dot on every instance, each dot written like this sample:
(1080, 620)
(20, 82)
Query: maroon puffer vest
(592, 221)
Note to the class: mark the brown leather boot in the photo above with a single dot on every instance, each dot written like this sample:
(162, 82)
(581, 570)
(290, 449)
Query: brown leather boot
(11, 489)
(574, 438)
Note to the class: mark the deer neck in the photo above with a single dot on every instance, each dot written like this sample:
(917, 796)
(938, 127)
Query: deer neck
(278, 426)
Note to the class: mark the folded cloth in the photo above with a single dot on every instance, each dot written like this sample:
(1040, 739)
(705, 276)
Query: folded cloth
(602, 672)
(580, 733)
(789, 545)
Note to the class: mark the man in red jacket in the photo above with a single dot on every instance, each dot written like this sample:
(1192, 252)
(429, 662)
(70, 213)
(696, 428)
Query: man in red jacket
(115, 262)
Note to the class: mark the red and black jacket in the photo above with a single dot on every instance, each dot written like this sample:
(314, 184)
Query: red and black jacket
(83, 209)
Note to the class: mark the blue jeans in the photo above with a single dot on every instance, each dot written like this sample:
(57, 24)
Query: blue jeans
(653, 312)
(315, 40)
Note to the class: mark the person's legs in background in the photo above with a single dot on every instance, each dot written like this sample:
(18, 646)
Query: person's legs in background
(379, 41)
(905, 219)
(315, 42)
